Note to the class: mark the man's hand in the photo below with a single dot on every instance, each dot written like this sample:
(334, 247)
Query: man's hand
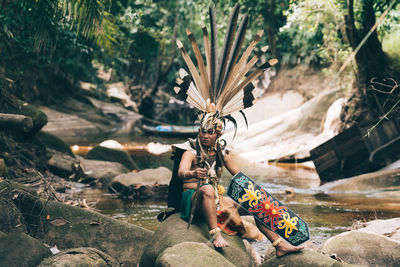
(200, 173)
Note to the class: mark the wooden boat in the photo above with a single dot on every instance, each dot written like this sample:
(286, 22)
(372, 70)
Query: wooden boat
(356, 150)
(171, 130)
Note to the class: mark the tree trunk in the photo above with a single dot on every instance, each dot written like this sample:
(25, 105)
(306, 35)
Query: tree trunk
(370, 61)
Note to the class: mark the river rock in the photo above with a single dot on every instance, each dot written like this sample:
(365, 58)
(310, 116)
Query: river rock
(84, 228)
(174, 231)
(53, 142)
(70, 126)
(114, 155)
(80, 257)
(191, 254)
(63, 165)
(20, 249)
(364, 248)
(389, 228)
(270, 251)
(149, 183)
(65, 226)
(387, 179)
(304, 258)
(101, 172)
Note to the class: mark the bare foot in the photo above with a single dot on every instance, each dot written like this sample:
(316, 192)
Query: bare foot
(219, 241)
(285, 248)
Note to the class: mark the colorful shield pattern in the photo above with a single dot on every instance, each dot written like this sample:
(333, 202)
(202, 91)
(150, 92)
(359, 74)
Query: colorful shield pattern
(268, 210)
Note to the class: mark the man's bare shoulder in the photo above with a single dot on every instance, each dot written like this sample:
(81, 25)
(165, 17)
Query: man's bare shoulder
(189, 154)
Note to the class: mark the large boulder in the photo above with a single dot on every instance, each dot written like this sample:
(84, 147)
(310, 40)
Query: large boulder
(304, 258)
(389, 228)
(101, 172)
(191, 254)
(65, 226)
(53, 142)
(84, 228)
(364, 248)
(174, 231)
(370, 182)
(143, 184)
(63, 165)
(80, 257)
(20, 249)
(114, 155)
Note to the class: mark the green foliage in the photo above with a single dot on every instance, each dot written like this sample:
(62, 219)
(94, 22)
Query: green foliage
(49, 46)
(45, 45)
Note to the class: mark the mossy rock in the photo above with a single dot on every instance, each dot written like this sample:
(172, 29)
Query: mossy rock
(70, 227)
(110, 154)
(305, 258)
(84, 228)
(20, 249)
(191, 254)
(53, 142)
(80, 257)
(39, 118)
(364, 248)
(174, 231)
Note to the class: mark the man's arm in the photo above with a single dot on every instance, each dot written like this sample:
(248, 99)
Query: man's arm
(230, 164)
(184, 171)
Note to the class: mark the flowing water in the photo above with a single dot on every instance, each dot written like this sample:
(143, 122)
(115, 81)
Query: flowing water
(327, 215)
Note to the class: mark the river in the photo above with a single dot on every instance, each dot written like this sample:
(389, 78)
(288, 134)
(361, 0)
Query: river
(327, 215)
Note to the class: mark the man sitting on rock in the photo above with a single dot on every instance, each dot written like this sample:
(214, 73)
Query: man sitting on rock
(203, 163)
(219, 89)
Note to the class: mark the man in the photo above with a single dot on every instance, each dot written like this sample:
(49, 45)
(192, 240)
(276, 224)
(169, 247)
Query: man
(219, 89)
(206, 203)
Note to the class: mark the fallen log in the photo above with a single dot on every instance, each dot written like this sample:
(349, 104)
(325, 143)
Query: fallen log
(15, 122)
(3, 168)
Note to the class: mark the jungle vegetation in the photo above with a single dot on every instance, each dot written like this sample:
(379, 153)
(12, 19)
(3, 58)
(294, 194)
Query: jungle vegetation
(48, 47)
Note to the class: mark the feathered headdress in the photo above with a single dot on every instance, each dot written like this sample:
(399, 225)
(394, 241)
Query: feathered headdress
(221, 87)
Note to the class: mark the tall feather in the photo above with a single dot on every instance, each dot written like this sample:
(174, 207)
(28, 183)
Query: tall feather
(245, 118)
(181, 87)
(207, 51)
(232, 119)
(254, 75)
(242, 100)
(226, 50)
(226, 96)
(214, 53)
(205, 88)
(237, 67)
(237, 47)
(185, 88)
(241, 74)
(191, 66)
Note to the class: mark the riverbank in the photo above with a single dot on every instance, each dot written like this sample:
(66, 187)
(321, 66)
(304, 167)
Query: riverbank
(48, 165)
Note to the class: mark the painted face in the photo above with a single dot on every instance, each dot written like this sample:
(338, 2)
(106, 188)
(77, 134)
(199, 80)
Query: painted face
(208, 136)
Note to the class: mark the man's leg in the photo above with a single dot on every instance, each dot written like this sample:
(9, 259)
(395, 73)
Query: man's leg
(281, 248)
(206, 206)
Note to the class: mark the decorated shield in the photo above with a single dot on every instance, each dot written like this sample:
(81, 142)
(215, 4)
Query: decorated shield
(268, 210)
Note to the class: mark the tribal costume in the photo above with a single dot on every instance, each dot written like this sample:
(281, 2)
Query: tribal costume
(218, 87)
